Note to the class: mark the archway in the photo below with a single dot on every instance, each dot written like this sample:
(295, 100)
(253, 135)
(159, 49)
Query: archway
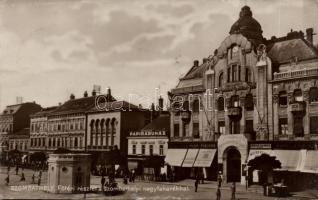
(233, 164)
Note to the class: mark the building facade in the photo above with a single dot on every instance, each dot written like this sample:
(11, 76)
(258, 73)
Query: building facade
(148, 146)
(14, 128)
(252, 98)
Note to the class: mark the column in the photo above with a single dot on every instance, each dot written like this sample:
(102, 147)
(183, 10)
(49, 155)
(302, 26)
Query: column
(107, 133)
(290, 116)
(226, 116)
(306, 120)
(243, 121)
(276, 114)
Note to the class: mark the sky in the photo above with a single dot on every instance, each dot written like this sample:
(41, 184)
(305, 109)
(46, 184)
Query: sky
(50, 49)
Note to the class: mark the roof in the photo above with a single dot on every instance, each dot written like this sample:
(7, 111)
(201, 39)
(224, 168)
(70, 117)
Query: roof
(12, 109)
(196, 72)
(75, 106)
(283, 51)
(45, 111)
(161, 123)
(114, 106)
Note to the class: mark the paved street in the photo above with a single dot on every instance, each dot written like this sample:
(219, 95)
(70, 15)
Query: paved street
(138, 190)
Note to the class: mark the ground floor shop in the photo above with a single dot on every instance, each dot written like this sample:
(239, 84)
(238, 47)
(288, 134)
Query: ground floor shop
(290, 163)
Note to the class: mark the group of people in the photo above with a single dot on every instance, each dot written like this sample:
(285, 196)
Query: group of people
(219, 184)
(7, 179)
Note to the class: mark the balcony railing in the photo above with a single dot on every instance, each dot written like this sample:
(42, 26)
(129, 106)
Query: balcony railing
(298, 107)
(296, 74)
(234, 111)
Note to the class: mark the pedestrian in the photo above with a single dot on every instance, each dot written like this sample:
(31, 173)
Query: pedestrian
(22, 177)
(39, 181)
(103, 182)
(7, 180)
(40, 173)
(17, 170)
(196, 183)
(33, 179)
(220, 179)
(8, 168)
(233, 190)
(133, 175)
(218, 194)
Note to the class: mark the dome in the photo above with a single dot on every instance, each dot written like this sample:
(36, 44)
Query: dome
(248, 26)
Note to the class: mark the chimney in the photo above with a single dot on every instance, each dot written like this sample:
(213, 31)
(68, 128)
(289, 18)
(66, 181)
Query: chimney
(205, 60)
(85, 94)
(93, 93)
(19, 100)
(160, 103)
(309, 35)
(109, 92)
(196, 63)
(60, 103)
(72, 97)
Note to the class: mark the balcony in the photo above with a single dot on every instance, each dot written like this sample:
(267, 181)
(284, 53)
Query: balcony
(234, 111)
(295, 74)
(298, 107)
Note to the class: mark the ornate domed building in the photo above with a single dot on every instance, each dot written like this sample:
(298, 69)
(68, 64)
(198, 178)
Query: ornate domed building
(252, 99)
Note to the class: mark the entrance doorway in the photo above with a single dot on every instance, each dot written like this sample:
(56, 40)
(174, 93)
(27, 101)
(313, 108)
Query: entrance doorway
(233, 165)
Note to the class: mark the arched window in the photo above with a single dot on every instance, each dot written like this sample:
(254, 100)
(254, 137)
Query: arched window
(298, 95)
(220, 104)
(196, 105)
(249, 102)
(248, 75)
(313, 94)
(235, 101)
(185, 106)
(282, 98)
(221, 79)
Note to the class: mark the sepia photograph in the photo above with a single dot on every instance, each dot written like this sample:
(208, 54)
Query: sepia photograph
(146, 99)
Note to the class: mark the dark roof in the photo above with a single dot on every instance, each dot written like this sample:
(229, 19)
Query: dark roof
(283, 51)
(75, 106)
(45, 111)
(161, 123)
(196, 72)
(12, 109)
(114, 106)
(248, 26)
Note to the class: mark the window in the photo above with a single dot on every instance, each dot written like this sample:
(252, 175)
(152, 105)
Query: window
(71, 127)
(283, 126)
(196, 130)
(298, 95)
(298, 125)
(161, 150)
(50, 142)
(313, 94)
(235, 127)
(248, 75)
(43, 142)
(151, 149)
(176, 130)
(221, 125)
(53, 142)
(229, 74)
(236, 73)
(133, 149)
(249, 102)
(282, 98)
(220, 104)
(31, 142)
(196, 105)
(314, 125)
(185, 106)
(143, 149)
(221, 79)
(249, 126)
(59, 127)
(75, 142)
(235, 101)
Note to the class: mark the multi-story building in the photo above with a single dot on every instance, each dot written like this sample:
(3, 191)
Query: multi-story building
(108, 126)
(14, 127)
(148, 146)
(39, 129)
(252, 99)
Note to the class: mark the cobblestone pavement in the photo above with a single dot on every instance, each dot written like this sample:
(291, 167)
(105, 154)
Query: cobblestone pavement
(138, 190)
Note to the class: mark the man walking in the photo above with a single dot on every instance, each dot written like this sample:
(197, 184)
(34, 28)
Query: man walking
(233, 190)
(103, 183)
(7, 180)
(196, 183)
(22, 177)
(220, 179)
(17, 170)
(33, 177)
(218, 194)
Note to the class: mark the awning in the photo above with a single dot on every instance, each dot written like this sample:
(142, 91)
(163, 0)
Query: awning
(311, 162)
(204, 158)
(289, 159)
(175, 157)
(190, 158)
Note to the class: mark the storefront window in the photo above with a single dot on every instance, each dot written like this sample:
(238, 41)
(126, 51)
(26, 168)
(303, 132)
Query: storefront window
(314, 125)
(196, 131)
(176, 130)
